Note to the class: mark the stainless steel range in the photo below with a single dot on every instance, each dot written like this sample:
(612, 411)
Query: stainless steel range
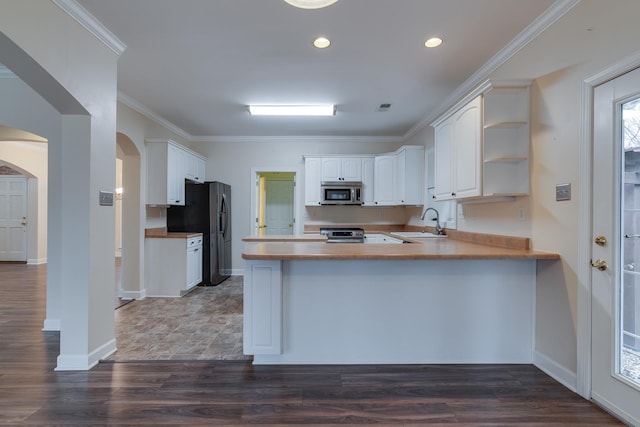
(343, 234)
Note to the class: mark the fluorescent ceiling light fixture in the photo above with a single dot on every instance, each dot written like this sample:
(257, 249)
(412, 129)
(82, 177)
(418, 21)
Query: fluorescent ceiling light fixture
(433, 42)
(322, 42)
(311, 4)
(292, 110)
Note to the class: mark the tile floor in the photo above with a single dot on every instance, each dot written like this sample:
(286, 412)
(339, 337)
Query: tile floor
(205, 324)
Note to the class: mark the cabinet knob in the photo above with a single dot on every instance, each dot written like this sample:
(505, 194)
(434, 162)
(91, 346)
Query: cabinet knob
(433, 197)
(453, 194)
(376, 203)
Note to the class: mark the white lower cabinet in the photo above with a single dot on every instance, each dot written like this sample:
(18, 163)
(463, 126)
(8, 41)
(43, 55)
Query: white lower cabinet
(173, 265)
(262, 311)
(194, 261)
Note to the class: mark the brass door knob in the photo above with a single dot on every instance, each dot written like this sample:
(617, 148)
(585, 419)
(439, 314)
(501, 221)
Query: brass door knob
(600, 240)
(600, 264)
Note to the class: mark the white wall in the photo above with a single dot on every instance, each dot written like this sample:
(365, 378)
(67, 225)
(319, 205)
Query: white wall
(591, 37)
(76, 73)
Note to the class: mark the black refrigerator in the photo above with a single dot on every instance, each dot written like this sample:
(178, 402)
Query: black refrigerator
(207, 209)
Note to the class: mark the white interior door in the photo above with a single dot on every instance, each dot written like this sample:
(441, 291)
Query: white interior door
(615, 283)
(278, 217)
(13, 218)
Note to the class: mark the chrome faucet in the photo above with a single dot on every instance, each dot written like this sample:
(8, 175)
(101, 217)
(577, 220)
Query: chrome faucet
(438, 228)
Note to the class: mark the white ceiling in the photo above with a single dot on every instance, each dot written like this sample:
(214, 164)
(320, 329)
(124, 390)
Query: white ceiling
(198, 63)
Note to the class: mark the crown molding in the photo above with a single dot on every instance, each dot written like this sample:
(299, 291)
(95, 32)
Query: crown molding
(296, 138)
(91, 24)
(544, 21)
(135, 105)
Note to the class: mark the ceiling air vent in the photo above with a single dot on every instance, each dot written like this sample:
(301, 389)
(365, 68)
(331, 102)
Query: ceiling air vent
(384, 107)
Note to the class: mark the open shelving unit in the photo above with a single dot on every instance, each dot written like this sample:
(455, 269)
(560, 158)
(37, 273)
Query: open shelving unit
(506, 141)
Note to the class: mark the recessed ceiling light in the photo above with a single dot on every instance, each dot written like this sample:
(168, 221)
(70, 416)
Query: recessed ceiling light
(322, 42)
(292, 110)
(433, 42)
(311, 4)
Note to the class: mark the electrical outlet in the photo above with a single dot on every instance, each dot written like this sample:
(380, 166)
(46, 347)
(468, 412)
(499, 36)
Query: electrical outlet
(521, 214)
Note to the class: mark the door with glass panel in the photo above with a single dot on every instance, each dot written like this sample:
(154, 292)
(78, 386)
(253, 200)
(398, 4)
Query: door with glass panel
(615, 283)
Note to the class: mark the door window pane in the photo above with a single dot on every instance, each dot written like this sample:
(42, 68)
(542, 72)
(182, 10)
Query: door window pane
(629, 292)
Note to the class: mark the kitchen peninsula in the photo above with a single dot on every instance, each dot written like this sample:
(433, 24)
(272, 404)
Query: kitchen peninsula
(439, 300)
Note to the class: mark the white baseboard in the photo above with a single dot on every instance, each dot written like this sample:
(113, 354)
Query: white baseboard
(36, 261)
(237, 272)
(613, 409)
(84, 362)
(133, 294)
(51, 325)
(556, 371)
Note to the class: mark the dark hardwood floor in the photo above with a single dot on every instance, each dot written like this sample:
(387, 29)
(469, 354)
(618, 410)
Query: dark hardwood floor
(237, 393)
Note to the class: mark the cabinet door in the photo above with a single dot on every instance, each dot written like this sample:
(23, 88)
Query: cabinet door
(312, 178)
(197, 274)
(368, 181)
(200, 169)
(191, 268)
(384, 179)
(399, 193)
(195, 167)
(175, 175)
(410, 185)
(352, 169)
(467, 136)
(443, 161)
(331, 169)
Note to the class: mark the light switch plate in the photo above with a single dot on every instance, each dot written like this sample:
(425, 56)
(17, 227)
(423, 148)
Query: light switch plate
(106, 198)
(563, 192)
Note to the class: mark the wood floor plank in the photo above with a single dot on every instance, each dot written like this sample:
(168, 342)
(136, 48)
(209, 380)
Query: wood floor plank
(234, 392)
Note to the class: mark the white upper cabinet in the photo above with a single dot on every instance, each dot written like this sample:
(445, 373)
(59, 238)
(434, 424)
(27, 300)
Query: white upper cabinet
(389, 179)
(482, 148)
(341, 169)
(458, 144)
(195, 167)
(443, 188)
(368, 181)
(168, 165)
(409, 183)
(467, 150)
(385, 180)
(312, 179)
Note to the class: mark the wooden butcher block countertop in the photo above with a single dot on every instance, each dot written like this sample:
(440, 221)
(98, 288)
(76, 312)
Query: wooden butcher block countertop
(458, 245)
(162, 233)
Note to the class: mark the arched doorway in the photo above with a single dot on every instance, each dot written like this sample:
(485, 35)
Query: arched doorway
(130, 220)
(24, 157)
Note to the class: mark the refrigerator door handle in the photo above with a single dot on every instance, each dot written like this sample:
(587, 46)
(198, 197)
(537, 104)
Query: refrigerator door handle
(223, 215)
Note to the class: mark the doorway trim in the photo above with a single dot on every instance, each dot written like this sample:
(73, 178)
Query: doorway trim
(297, 211)
(583, 384)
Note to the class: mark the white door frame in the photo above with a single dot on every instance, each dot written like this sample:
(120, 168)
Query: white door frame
(297, 211)
(584, 269)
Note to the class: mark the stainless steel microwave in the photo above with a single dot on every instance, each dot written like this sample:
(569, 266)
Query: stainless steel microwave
(341, 193)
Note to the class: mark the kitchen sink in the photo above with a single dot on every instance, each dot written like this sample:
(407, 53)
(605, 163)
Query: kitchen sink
(415, 234)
